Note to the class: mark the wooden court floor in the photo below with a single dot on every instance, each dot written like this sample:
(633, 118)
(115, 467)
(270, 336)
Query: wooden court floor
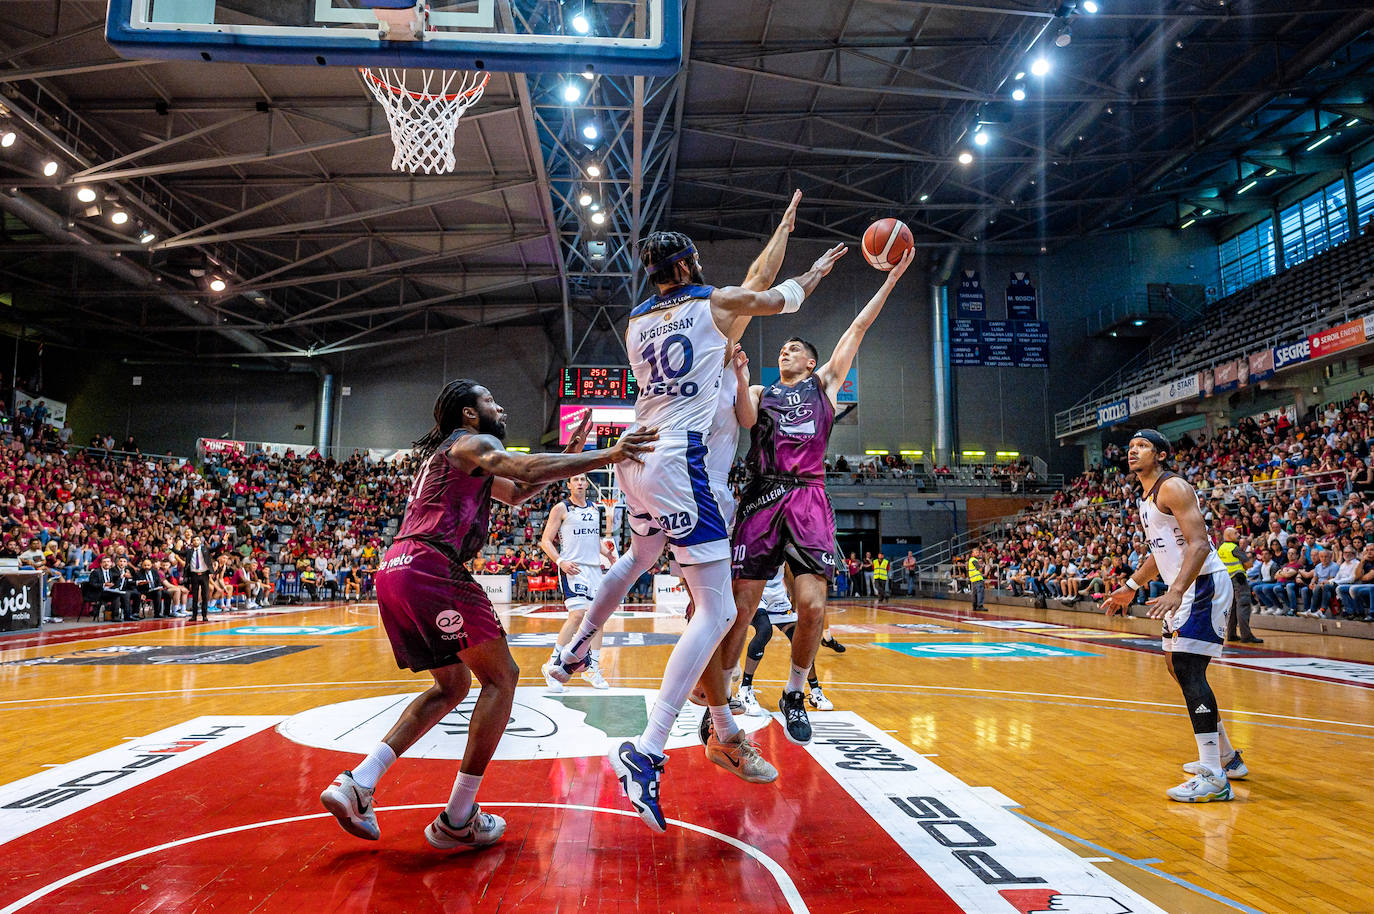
(1013, 761)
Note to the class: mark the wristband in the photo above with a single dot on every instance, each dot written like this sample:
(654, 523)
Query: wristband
(792, 295)
(1130, 582)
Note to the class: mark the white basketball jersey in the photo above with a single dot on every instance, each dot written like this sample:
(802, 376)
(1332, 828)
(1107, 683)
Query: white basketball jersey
(579, 537)
(724, 438)
(1166, 538)
(678, 357)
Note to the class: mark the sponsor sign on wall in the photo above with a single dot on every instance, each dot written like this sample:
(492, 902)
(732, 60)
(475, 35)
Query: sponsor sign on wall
(1261, 366)
(31, 803)
(1293, 353)
(1184, 388)
(497, 586)
(21, 601)
(979, 852)
(222, 446)
(848, 393)
(1113, 413)
(670, 593)
(1227, 376)
(57, 410)
(1337, 339)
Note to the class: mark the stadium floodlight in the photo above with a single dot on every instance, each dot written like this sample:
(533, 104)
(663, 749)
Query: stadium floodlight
(85, 195)
(1246, 187)
(1090, 7)
(1319, 142)
(8, 139)
(119, 217)
(218, 285)
(572, 93)
(1019, 94)
(591, 131)
(585, 199)
(982, 137)
(1040, 66)
(598, 218)
(49, 168)
(965, 158)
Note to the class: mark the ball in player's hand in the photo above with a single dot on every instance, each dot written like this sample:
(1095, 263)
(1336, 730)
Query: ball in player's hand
(885, 241)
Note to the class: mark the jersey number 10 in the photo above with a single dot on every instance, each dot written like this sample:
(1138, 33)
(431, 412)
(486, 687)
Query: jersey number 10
(662, 374)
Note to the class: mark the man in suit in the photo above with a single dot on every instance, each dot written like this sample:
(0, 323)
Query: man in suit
(129, 584)
(153, 588)
(107, 588)
(199, 561)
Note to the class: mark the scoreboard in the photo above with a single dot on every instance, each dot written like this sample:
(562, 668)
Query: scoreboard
(591, 382)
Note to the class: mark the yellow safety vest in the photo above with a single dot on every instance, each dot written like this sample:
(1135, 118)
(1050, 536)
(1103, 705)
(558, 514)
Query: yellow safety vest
(1227, 551)
(880, 569)
(974, 574)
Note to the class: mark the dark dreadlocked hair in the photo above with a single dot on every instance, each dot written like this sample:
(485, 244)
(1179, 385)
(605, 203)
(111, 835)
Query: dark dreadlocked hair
(807, 345)
(448, 415)
(658, 247)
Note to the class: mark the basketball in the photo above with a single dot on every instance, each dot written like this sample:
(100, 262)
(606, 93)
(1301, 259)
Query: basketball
(885, 241)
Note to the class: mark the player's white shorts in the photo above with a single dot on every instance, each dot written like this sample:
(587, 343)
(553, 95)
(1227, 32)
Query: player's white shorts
(776, 603)
(725, 499)
(671, 491)
(579, 590)
(1198, 626)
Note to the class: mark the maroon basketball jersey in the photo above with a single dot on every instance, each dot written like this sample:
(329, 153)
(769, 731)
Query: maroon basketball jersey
(792, 431)
(447, 507)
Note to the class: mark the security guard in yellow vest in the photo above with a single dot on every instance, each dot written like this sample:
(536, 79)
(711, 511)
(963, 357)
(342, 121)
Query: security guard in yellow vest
(1236, 559)
(880, 566)
(975, 577)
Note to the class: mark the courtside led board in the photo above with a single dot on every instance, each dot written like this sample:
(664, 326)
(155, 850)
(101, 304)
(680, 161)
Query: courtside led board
(507, 35)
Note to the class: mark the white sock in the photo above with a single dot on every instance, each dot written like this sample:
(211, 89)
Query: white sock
(370, 770)
(796, 678)
(643, 552)
(1209, 753)
(1224, 742)
(464, 795)
(655, 735)
(594, 657)
(724, 722)
(715, 613)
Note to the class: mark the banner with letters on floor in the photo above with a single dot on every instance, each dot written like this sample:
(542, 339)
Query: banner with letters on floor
(1020, 341)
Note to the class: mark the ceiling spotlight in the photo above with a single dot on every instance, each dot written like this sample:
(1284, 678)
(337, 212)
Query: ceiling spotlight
(1020, 75)
(49, 168)
(1090, 6)
(1137, 323)
(588, 75)
(85, 195)
(217, 285)
(925, 197)
(966, 158)
(119, 217)
(598, 218)
(585, 199)
(593, 170)
(1186, 224)
(591, 132)
(1040, 66)
(1019, 94)
(147, 237)
(1319, 142)
(8, 138)
(581, 24)
(982, 137)
(1063, 39)
(595, 207)
(571, 93)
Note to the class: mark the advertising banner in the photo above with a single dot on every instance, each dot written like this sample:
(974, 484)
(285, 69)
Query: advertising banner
(603, 417)
(1338, 338)
(670, 594)
(21, 601)
(1184, 388)
(57, 411)
(1227, 376)
(1113, 413)
(222, 446)
(1261, 366)
(1293, 353)
(497, 586)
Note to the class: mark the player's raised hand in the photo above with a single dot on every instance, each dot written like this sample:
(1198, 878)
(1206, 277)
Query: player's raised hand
(826, 262)
(740, 361)
(789, 216)
(579, 436)
(896, 272)
(634, 444)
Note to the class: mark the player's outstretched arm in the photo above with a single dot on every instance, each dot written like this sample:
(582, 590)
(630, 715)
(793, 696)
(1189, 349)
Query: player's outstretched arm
(746, 397)
(765, 267)
(833, 372)
(484, 455)
(1119, 599)
(730, 302)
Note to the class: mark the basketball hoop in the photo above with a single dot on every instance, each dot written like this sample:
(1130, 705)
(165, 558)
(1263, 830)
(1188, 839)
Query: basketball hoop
(423, 108)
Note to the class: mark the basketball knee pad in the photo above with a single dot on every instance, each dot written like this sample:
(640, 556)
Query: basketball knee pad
(762, 635)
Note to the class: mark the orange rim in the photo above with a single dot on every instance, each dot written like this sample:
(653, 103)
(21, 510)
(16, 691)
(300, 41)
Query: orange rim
(420, 96)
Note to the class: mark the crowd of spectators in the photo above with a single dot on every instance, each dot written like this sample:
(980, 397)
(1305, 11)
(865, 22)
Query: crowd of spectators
(1300, 495)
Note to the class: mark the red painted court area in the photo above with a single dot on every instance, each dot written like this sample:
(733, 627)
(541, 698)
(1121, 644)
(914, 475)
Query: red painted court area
(801, 843)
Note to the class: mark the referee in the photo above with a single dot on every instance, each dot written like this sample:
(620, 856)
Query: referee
(975, 578)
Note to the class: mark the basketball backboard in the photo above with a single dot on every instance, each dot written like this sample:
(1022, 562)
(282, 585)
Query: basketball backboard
(571, 36)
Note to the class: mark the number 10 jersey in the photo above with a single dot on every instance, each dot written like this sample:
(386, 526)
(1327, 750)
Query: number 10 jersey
(678, 357)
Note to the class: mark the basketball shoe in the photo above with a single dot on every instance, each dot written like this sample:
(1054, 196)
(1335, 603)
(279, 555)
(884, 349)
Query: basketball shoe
(1202, 788)
(750, 702)
(352, 805)
(819, 701)
(551, 683)
(1234, 767)
(639, 774)
(593, 676)
(740, 756)
(560, 670)
(797, 724)
(480, 829)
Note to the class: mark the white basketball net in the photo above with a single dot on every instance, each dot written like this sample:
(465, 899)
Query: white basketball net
(424, 112)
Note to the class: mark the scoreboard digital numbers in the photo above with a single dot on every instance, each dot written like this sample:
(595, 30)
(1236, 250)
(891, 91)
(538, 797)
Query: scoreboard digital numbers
(599, 383)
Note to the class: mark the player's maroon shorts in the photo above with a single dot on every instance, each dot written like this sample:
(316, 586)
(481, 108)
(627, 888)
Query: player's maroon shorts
(431, 607)
(783, 521)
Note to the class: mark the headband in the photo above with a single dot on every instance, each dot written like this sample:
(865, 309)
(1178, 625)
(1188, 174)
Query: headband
(1160, 443)
(689, 251)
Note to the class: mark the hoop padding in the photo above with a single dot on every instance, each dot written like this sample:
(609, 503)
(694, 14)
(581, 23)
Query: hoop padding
(424, 112)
